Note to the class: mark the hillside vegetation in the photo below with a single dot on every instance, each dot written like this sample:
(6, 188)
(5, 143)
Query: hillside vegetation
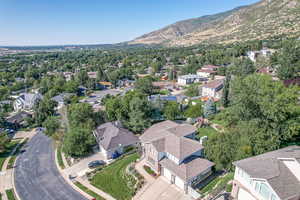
(265, 19)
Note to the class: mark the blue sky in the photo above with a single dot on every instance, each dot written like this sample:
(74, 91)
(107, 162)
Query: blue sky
(52, 22)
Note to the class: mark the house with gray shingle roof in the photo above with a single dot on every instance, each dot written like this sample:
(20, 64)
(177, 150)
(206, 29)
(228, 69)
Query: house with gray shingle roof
(170, 149)
(112, 138)
(26, 101)
(270, 176)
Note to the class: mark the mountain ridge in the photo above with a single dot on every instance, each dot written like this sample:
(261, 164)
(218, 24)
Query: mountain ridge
(260, 20)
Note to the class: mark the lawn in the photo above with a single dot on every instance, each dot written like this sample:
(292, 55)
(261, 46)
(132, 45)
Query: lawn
(10, 194)
(14, 156)
(220, 181)
(88, 191)
(4, 155)
(112, 179)
(59, 158)
(208, 131)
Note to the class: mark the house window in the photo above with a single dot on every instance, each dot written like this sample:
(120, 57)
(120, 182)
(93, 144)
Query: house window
(273, 197)
(264, 191)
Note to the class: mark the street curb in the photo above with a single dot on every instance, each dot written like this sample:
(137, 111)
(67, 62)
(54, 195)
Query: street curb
(13, 176)
(70, 182)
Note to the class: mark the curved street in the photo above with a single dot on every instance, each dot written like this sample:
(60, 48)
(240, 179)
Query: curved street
(36, 174)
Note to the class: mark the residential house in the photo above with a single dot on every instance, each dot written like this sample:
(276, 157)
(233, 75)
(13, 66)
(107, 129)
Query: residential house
(270, 176)
(213, 89)
(253, 55)
(207, 70)
(60, 99)
(26, 101)
(189, 79)
(17, 120)
(170, 150)
(158, 97)
(113, 139)
(68, 75)
(92, 75)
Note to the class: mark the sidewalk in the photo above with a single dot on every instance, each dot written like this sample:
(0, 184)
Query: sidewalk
(83, 182)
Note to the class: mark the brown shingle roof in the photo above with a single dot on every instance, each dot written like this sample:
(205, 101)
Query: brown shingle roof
(188, 169)
(166, 128)
(110, 136)
(270, 166)
(214, 84)
(181, 147)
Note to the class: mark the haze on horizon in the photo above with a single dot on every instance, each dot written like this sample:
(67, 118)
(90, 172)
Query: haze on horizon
(61, 22)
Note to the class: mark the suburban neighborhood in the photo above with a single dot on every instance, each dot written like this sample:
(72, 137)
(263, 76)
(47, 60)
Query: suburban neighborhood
(206, 108)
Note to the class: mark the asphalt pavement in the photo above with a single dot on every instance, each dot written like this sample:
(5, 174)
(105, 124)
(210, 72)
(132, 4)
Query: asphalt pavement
(36, 174)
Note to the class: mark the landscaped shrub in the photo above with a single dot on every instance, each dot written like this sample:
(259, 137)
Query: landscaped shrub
(228, 187)
(149, 170)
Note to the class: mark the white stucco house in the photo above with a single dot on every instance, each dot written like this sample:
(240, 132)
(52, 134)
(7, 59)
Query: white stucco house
(26, 101)
(213, 89)
(190, 79)
(270, 176)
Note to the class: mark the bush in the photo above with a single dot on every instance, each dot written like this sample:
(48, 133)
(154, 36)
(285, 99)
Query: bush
(149, 170)
(228, 187)
(10, 194)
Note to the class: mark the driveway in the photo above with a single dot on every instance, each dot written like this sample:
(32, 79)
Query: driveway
(160, 189)
(80, 168)
(36, 174)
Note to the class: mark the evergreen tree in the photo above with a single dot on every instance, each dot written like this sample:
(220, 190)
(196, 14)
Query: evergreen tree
(225, 100)
(209, 108)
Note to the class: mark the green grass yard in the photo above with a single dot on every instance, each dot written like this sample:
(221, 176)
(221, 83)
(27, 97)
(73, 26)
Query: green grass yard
(208, 131)
(217, 182)
(5, 154)
(113, 180)
(88, 191)
(10, 194)
(59, 158)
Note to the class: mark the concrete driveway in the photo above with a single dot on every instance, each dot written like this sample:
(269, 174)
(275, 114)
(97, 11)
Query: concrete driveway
(160, 189)
(80, 168)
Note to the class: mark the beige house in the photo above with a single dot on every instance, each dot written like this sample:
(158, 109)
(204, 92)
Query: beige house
(171, 151)
(271, 176)
(212, 89)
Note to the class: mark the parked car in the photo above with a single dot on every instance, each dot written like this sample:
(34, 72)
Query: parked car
(96, 163)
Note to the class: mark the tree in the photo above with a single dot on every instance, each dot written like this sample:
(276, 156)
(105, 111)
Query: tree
(171, 110)
(43, 109)
(194, 111)
(144, 85)
(78, 141)
(287, 60)
(139, 116)
(3, 141)
(192, 91)
(51, 124)
(209, 108)
(225, 100)
(81, 114)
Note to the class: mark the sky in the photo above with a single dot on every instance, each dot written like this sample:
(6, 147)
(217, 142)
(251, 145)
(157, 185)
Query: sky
(57, 22)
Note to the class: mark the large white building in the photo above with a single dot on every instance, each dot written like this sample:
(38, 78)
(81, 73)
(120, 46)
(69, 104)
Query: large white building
(271, 176)
(189, 79)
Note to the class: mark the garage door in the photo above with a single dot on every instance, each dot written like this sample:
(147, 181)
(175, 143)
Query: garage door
(167, 174)
(179, 183)
(244, 195)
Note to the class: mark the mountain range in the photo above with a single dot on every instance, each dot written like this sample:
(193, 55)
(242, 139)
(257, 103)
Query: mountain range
(262, 20)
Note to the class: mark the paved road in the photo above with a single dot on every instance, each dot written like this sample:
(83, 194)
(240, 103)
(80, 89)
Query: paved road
(36, 174)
